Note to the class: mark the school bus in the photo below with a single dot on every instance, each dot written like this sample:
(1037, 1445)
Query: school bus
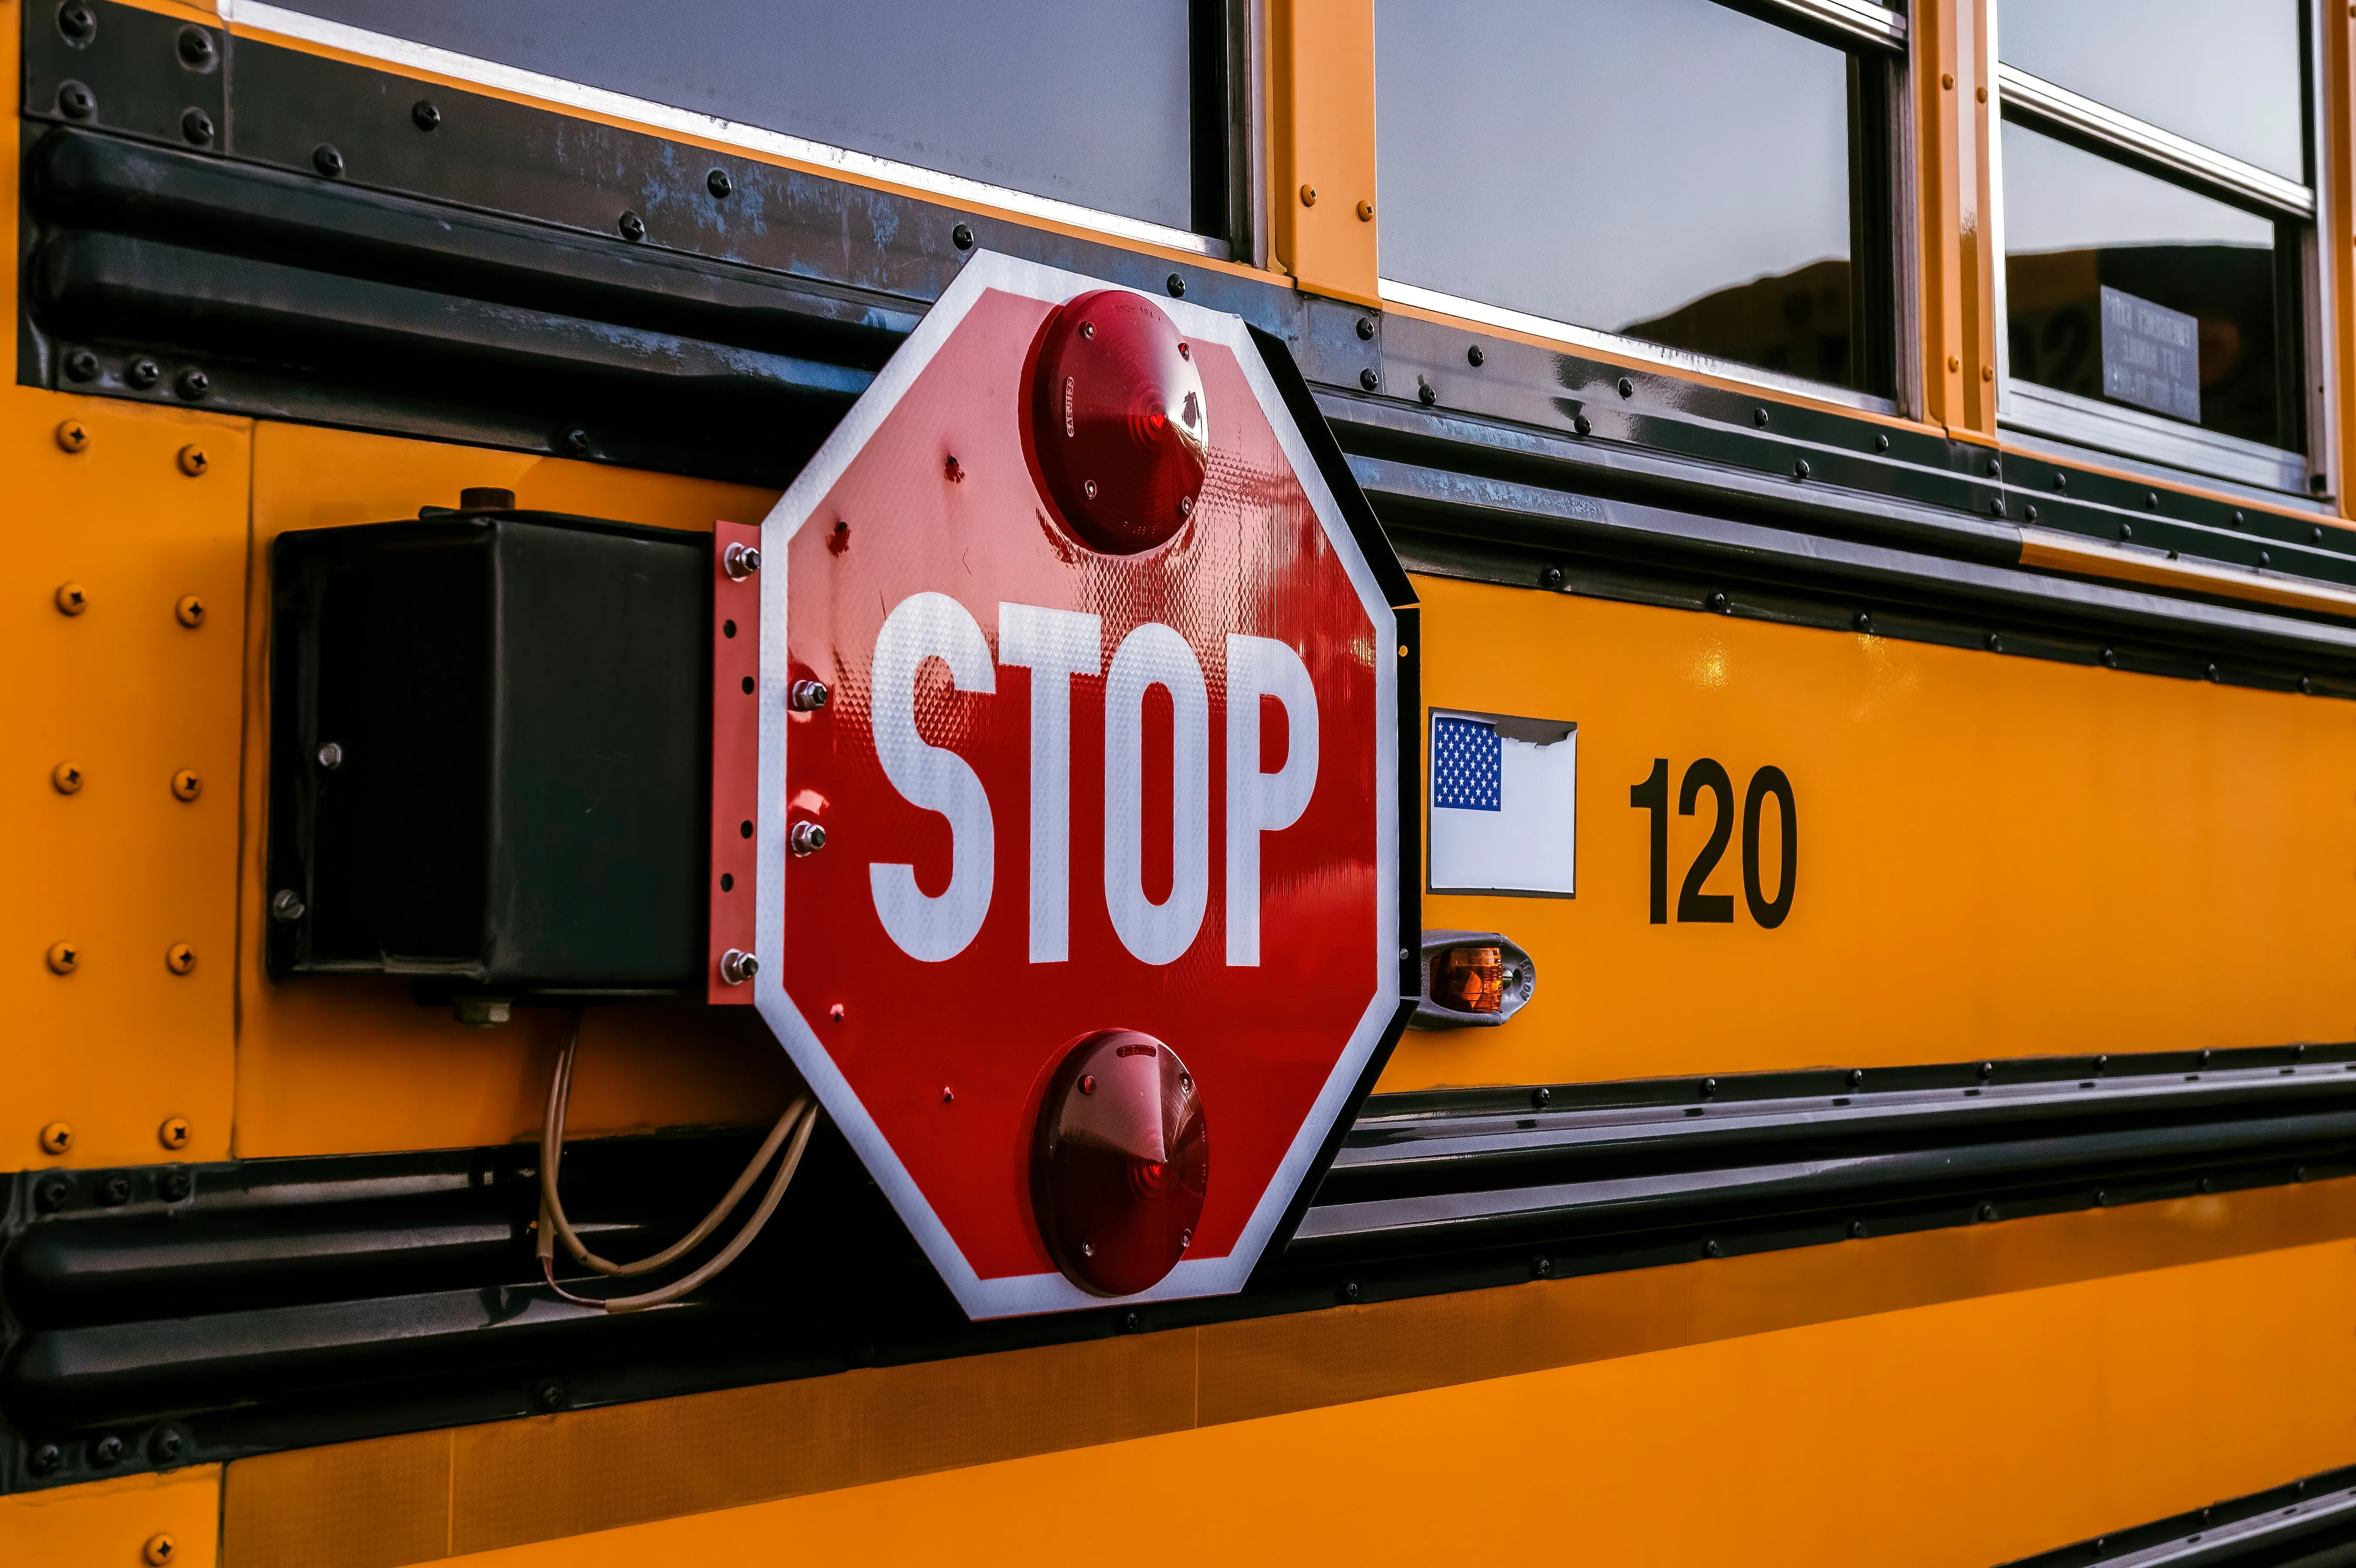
(1873, 780)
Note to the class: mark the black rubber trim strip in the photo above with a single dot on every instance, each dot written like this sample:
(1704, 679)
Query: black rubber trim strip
(2310, 1523)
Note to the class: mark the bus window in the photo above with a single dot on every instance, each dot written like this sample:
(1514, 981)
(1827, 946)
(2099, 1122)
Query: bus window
(2156, 204)
(1673, 172)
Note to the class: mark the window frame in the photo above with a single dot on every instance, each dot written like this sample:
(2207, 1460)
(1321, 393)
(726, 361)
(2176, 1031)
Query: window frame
(2300, 214)
(1883, 299)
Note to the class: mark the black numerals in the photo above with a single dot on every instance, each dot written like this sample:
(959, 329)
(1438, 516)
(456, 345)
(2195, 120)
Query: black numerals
(1693, 906)
(1652, 795)
(1766, 782)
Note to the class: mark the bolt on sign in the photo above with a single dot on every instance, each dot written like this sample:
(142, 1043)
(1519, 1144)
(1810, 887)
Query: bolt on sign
(1078, 830)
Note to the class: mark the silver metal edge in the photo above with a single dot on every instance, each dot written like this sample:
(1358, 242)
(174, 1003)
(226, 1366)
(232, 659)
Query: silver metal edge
(2131, 432)
(2068, 110)
(2241, 1534)
(1876, 24)
(1397, 292)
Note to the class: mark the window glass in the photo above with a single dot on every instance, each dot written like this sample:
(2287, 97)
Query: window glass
(1669, 169)
(1082, 103)
(2224, 73)
(2075, 226)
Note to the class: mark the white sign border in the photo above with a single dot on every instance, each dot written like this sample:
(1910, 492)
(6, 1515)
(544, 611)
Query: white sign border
(1050, 1291)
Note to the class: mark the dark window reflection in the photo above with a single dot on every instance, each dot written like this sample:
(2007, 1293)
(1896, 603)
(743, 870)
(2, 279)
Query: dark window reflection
(1669, 169)
(2224, 72)
(2075, 223)
(1083, 103)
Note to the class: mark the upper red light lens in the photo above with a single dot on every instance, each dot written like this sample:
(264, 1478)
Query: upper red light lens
(1118, 421)
(1120, 1163)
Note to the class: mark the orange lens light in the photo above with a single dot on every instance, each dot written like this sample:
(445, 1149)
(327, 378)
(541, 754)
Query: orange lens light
(1469, 980)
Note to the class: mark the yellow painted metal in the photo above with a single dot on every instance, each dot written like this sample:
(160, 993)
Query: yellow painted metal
(1997, 856)
(114, 1524)
(1952, 1396)
(341, 1065)
(1322, 193)
(120, 869)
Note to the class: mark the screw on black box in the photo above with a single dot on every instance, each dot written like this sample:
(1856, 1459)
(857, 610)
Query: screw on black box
(552, 1396)
(195, 385)
(163, 1445)
(142, 373)
(50, 1195)
(718, 183)
(425, 115)
(576, 442)
(286, 906)
(45, 1458)
(197, 49)
(76, 102)
(197, 128)
(633, 227)
(107, 1452)
(115, 1190)
(174, 1186)
(78, 23)
(328, 160)
(331, 756)
(962, 237)
(82, 365)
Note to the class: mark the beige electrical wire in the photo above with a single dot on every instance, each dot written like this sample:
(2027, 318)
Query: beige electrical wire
(799, 1121)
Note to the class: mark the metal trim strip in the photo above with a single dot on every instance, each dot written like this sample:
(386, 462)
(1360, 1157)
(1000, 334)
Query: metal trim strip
(2069, 111)
(1866, 19)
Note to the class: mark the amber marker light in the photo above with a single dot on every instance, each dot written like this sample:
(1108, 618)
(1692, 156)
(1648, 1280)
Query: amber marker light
(1119, 423)
(1469, 980)
(1119, 1163)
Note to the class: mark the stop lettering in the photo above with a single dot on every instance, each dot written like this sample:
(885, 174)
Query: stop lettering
(1071, 658)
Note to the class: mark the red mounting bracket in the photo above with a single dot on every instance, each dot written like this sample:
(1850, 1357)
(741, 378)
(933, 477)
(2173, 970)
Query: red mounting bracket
(735, 757)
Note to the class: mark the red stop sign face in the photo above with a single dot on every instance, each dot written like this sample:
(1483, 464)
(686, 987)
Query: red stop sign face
(1066, 790)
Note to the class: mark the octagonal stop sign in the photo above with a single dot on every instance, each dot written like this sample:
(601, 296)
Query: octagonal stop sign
(1078, 827)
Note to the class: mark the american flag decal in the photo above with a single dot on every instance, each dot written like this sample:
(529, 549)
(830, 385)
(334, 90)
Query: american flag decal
(1465, 765)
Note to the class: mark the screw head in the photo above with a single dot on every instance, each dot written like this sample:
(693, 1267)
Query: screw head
(115, 1190)
(1710, 1249)
(1368, 380)
(1996, 505)
(807, 838)
(2110, 658)
(737, 967)
(65, 958)
(2307, 685)
(1627, 388)
(193, 461)
(2151, 500)
(632, 226)
(107, 1450)
(1580, 423)
(1881, 443)
(82, 365)
(718, 183)
(1759, 418)
(56, 1137)
(1543, 1268)
(2029, 511)
(1855, 1076)
(180, 958)
(163, 1447)
(70, 599)
(73, 435)
(187, 786)
(552, 1396)
(77, 22)
(1800, 469)
(1987, 1211)
(197, 128)
(576, 442)
(331, 756)
(2265, 557)
(174, 1186)
(1718, 603)
(1864, 622)
(1365, 329)
(2210, 671)
(1988, 1070)
(1856, 1230)
(1308, 195)
(188, 610)
(1176, 285)
(2101, 1198)
(1994, 643)
(1425, 394)
(425, 115)
(807, 696)
(142, 373)
(66, 779)
(195, 49)
(328, 161)
(51, 1194)
(1708, 1088)
(1551, 577)
(1475, 358)
(1540, 1097)
(1366, 212)
(286, 906)
(76, 101)
(1350, 1291)
(962, 237)
(47, 1457)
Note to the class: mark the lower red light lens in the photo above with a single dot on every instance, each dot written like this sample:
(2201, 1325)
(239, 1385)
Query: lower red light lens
(1118, 421)
(1119, 1167)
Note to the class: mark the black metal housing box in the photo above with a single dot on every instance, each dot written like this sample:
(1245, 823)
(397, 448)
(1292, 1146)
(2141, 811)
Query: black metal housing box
(490, 755)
